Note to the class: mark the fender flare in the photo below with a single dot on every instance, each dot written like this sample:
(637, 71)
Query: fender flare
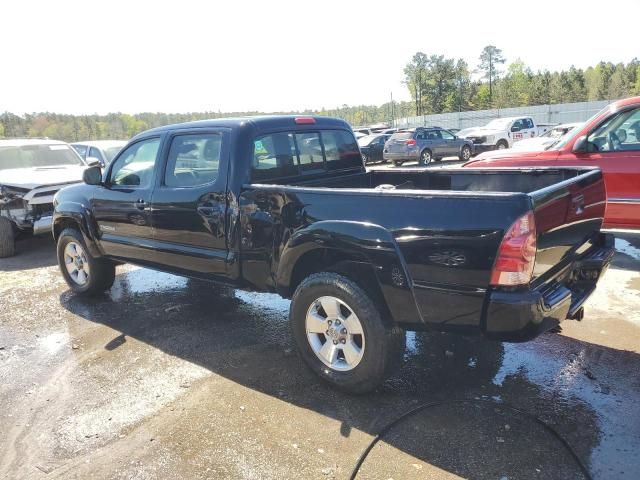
(368, 243)
(81, 216)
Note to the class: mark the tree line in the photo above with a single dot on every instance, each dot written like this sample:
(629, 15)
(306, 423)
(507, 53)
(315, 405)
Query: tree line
(437, 84)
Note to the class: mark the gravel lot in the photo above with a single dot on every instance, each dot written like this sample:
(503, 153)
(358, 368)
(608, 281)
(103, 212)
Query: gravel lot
(165, 377)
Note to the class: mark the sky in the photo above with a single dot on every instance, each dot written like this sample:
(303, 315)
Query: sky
(100, 56)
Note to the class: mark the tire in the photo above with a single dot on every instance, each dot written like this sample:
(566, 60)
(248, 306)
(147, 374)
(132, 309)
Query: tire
(501, 145)
(465, 153)
(425, 157)
(398, 163)
(378, 348)
(7, 238)
(98, 274)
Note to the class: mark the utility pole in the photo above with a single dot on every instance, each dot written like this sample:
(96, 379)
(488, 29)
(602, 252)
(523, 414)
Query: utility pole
(393, 118)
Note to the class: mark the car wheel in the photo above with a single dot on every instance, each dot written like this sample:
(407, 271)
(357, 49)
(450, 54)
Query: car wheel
(7, 238)
(465, 153)
(425, 157)
(398, 163)
(365, 159)
(341, 335)
(501, 145)
(83, 273)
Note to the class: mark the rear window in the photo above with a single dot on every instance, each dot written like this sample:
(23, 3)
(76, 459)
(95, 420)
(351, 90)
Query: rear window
(287, 154)
(402, 136)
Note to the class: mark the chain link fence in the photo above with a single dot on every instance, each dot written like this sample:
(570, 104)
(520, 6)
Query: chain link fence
(541, 114)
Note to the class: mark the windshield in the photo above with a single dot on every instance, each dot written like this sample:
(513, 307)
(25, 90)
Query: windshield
(498, 124)
(111, 152)
(365, 141)
(30, 156)
(402, 136)
(562, 141)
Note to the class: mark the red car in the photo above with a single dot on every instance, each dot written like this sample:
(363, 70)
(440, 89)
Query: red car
(610, 140)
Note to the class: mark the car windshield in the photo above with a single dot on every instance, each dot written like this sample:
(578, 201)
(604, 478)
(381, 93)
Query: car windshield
(402, 136)
(562, 141)
(498, 124)
(30, 156)
(365, 141)
(111, 152)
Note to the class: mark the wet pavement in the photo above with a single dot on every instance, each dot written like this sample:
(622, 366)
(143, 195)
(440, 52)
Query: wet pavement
(165, 377)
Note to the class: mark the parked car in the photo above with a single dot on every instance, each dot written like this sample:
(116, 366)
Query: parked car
(424, 144)
(31, 172)
(546, 139)
(502, 133)
(362, 258)
(102, 151)
(371, 147)
(363, 130)
(609, 140)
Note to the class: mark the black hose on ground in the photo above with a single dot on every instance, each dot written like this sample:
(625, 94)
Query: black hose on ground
(505, 406)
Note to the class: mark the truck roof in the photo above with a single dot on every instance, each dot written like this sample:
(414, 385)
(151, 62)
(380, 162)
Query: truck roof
(257, 123)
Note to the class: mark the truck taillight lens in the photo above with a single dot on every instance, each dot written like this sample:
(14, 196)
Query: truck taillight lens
(517, 253)
(411, 141)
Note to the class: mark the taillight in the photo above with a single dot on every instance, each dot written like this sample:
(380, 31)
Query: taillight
(411, 141)
(517, 253)
(305, 120)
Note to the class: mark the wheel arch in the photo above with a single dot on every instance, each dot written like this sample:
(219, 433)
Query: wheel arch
(362, 252)
(75, 216)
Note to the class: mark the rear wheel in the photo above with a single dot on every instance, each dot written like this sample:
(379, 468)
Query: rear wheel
(425, 157)
(465, 153)
(341, 335)
(83, 273)
(7, 238)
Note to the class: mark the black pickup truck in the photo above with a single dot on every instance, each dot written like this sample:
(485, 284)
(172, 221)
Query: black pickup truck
(284, 204)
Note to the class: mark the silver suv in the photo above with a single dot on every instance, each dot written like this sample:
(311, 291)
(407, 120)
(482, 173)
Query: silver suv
(425, 144)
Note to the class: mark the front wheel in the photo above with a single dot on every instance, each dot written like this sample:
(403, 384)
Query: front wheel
(83, 273)
(341, 335)
(465, 153)
(7, 238)
(501, 145)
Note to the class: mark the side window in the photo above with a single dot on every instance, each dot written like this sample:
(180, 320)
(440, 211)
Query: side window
(81, 149)
(134, 167)
(446, 134)
(421, 135)
(341, 149)
(193, 160)
(619, 133)
(529, 123)
(274, 156)
(518, 124)
(95, 153)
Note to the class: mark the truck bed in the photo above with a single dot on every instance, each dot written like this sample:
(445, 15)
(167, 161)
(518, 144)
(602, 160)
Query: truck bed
(448, 224)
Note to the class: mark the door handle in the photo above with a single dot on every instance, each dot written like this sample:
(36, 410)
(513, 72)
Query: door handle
(140, 204)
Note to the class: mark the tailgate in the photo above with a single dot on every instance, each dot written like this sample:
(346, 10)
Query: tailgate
(568, 218)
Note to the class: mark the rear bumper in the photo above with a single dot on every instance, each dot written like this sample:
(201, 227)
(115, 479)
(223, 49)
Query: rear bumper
(402, 156)
(523, 315)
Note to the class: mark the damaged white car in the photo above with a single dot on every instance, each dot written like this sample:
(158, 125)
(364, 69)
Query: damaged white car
(31, 172)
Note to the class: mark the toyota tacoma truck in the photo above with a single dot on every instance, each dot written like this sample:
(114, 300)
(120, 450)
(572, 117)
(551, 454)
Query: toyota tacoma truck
(31, 172)
(284, 204)
(502, 133)
(610, 140)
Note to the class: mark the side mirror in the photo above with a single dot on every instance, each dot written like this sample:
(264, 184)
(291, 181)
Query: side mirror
(92, 176)
(580, 146)
(515, 129)
(93, 162)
